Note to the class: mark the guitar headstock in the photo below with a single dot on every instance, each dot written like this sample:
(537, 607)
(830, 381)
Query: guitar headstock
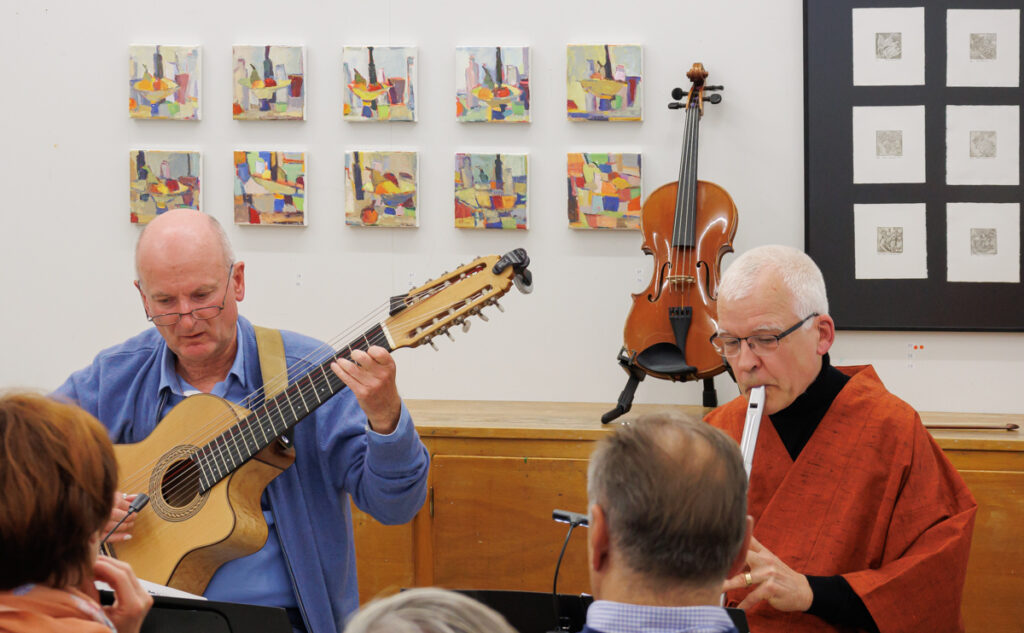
(449, 300)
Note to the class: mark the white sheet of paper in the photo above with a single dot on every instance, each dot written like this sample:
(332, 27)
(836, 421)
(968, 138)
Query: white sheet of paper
(905, 259)
(983, 242)
(992, 56)
(872, 165)
(888, 46)
(154, 589)
(982, 145)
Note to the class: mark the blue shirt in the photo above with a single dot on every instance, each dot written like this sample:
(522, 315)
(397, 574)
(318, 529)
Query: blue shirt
(336, 457)
(605, 616)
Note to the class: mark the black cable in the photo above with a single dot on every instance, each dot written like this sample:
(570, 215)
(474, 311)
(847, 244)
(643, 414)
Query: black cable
(136, 505)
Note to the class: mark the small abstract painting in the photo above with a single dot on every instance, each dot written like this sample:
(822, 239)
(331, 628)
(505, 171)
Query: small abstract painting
(604, 190)
(603, 82)
(159, 181)
(380, 189)
(270, 188)
(490, 191)
(492, 84)
(380, 83)
(163, 82)
(268, 82)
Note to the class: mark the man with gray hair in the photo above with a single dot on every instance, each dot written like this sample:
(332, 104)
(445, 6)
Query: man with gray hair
(668, 524)
(359, 444)
(861, 523)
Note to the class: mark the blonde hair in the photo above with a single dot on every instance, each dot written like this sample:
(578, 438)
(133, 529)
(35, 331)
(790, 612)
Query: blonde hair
(427, 610)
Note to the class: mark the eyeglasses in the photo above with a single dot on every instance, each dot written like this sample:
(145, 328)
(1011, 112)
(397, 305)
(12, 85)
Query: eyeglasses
(730, 346)
(200, 314)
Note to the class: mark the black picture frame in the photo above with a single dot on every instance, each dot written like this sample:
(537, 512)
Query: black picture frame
(829, 96)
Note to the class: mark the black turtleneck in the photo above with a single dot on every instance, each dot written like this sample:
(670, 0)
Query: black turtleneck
(834, 600)
(796, 423)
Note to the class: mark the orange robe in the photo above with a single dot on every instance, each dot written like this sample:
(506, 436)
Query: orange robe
(871, 497)
(48, 610)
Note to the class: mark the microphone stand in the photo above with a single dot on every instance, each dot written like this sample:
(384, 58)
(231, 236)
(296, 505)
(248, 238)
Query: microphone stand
(574, 519)
(136, 506)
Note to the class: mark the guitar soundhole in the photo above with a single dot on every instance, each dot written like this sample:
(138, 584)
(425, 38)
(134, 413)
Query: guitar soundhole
(174, 484)
(180, 484)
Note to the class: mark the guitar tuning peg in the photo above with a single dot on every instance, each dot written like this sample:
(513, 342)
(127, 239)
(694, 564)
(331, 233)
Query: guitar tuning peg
(433, 344)
(500, 307)
(449, 334)
(483, 317)
(465, 325)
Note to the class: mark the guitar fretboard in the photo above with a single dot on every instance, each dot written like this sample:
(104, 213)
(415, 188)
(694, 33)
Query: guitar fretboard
(222, 455)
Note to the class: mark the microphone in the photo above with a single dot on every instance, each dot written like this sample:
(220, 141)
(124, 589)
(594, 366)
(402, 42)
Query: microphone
(574, 519)
(136, 505)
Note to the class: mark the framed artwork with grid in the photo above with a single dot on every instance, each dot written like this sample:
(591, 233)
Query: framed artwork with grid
(913, 162)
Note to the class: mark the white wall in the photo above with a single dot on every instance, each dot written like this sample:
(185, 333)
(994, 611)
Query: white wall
(66, 244)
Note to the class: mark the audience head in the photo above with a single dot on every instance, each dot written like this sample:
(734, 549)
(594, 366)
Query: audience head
(58, 476)
(427, 610)
(668, 499)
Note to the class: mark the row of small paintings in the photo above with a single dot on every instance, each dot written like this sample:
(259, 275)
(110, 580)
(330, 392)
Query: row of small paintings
(492, 84)
(982, 47)
(490, 190)
(982, 144)
(982, 241)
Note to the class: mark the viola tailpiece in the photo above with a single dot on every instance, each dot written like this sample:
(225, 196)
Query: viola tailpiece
(687, 226)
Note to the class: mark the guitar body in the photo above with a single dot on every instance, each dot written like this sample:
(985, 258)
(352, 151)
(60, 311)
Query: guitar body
(183, 536)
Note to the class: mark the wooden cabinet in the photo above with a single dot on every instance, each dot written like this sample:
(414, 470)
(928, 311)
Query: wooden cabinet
(500, 468)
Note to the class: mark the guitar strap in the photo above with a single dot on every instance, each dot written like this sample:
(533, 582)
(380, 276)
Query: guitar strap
(270, 347)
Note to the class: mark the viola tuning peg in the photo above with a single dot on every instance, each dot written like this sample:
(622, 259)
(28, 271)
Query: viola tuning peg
(465, 325)
(483, 317)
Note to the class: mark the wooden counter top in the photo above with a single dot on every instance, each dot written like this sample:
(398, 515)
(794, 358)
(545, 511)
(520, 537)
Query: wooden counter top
(582, 420)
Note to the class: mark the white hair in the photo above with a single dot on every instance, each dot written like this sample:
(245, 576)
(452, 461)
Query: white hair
(427, 610)
(798, 273)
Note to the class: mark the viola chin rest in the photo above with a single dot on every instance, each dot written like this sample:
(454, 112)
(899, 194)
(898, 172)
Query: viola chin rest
(665, 358)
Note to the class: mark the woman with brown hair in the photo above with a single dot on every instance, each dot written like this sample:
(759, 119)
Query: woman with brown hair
(57, 480)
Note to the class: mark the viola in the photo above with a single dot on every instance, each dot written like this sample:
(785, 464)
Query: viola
(687, 226)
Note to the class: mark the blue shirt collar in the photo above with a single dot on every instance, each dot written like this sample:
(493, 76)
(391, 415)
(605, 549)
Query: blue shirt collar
(605, 615)
(170, 380)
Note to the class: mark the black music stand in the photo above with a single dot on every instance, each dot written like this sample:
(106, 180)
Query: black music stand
(173, 615)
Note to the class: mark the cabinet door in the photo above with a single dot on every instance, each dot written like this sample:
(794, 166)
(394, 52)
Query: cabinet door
(995, 570)
(492, 526)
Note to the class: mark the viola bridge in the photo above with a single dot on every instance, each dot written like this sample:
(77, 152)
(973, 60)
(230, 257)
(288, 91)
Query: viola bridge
(681, 279)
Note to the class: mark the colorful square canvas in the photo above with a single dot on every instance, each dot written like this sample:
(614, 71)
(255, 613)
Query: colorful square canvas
(604, 190)
(492, 84)
(380, 189)
(490, 191)
(270, 188)
(160, 180)
(603, 82)
(380, 83)
(163, 82)
(269, 82)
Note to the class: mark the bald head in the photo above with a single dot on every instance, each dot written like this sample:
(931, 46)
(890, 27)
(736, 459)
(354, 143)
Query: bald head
(182, 234)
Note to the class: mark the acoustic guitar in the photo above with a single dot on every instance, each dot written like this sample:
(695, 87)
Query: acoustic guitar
(207, 463)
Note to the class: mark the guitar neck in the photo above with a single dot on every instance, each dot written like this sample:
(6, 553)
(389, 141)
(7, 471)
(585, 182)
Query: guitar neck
(226, 452)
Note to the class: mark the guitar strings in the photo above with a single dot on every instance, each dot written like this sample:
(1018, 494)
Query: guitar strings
(302, 388)
(377, 339)
(317, 357)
